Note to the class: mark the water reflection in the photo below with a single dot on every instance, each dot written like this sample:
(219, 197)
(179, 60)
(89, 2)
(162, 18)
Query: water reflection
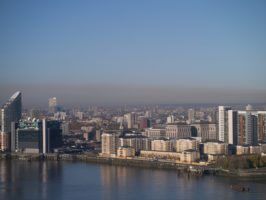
(73, 180)
(135, 183)
(29, 180)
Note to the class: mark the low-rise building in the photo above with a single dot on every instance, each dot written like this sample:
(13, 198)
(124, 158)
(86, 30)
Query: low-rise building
(160, 155)
(207, 131)
(154, 133)
(186, 144)
(177, 131)
(190, 156)
(216, 148)
(125, 152)
(255, 150)
(161, 145)
(263, 148)
(242, 149)
(138, 142)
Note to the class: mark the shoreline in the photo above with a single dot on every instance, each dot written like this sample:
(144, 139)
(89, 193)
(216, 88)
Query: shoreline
(189, 168)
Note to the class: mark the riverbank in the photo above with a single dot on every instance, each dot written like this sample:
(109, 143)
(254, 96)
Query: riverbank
(190, 168)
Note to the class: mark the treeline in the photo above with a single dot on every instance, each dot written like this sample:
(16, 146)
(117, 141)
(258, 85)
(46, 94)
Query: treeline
(241, 162)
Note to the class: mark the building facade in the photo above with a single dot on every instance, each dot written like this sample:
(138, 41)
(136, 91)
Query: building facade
(178, 131)
(10, 112)
(187, 144)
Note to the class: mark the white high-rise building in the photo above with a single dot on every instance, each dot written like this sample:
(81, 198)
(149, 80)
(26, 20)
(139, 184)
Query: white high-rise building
(130, 118)
(109, 141)
(170, 119)
(10, 112)
(191, 115)
(223, 123)
(52, 105)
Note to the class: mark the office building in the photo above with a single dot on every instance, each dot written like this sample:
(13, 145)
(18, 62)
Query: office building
(34, 136)
(154, 133)
(251, 127)
(207, 131)
(51, 135)
(29, 136)
(232, 127)
(10, 112)
(177, 131)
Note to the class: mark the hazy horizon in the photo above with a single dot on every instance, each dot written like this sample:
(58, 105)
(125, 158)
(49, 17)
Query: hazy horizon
(85, 95)
(135, 52)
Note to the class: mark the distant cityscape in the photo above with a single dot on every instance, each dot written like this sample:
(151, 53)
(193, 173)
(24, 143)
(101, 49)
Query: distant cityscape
(163, 133)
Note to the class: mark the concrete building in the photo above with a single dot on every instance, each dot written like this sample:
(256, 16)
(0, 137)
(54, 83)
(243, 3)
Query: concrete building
(130, 119)
(65, 128)
(161, 145)
(154, 133)
(207, 131)
(242, 149)
(98, 135)
(189, 156)
(10, 112)
(143, 122)
(125, 152)
(187, 144)
(109, 144)
(60, 116)
(191, 115)
(215, 148)
(251, 127)
(262, 127)
(138, 142)
(255, 150)
(223, 123)
(263, 148)
(170, 119)
(177, 131)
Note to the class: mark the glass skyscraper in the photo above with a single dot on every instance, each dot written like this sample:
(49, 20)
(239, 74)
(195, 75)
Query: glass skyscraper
(10, 112)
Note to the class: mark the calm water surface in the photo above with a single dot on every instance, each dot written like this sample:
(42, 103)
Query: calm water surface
(21, 180)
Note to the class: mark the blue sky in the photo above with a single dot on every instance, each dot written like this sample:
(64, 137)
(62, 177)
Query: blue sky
(179, 44)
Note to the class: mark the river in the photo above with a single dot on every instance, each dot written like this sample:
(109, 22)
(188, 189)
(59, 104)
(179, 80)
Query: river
(52, 180)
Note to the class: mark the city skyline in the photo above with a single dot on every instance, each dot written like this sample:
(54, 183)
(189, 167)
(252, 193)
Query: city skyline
(133, 52)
